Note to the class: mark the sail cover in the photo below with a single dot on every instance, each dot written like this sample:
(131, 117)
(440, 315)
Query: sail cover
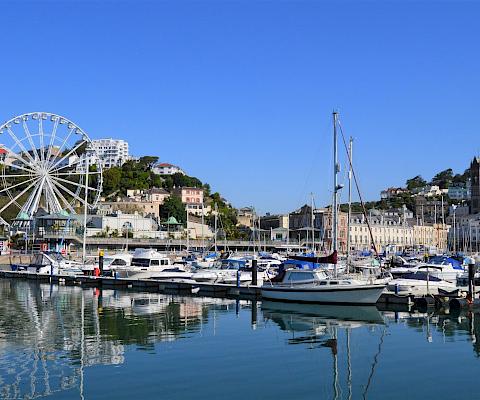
(330, 259)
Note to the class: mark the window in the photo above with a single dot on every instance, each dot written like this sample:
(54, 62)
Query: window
(155, 262)
(299, 276)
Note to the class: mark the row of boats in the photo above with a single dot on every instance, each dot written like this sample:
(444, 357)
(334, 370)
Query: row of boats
(281, 277)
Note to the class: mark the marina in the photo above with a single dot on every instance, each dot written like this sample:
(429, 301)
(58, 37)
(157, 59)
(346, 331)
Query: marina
(209, 200)
(72, 342)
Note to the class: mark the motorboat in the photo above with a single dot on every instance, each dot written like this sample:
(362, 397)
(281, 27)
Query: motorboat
(315, 286)
(407, 268)
(442, 267)
(150, 264)
(230, 270)
(50, 262)
(109, 263)
(420, 283)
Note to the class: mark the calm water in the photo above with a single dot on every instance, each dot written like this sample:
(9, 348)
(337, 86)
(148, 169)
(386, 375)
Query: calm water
(73, 343)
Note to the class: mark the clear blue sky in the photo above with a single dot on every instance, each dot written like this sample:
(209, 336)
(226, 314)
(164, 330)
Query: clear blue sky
(240, 93)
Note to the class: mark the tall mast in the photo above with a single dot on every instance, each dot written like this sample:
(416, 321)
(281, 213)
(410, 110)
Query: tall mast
(216, 223)
(335, 187)
(350, 148)
(188, 232)
(203, 236)
(335, 184)
(312, 224)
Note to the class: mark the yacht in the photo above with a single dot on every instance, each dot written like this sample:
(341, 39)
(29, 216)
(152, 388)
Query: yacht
(315, 286)
(444, 268)
(50, 262)
(420, 283)
(110, 263)
(227, 270)
(150, 264)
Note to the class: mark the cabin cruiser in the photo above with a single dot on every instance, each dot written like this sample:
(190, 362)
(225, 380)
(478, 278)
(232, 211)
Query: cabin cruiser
(150, 264)
(442, 267)
(315, 286)
(109, 263)
(226, 271)
(50, 262)
(420, 283)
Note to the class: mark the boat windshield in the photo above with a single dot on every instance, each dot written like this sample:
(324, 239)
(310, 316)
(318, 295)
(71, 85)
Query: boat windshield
(140, 262)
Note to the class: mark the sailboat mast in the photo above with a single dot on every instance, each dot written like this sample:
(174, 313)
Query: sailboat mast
(188, 232)
(350, 148)
(312, 224)
(335, 188)
(216, 223)
(335, 185)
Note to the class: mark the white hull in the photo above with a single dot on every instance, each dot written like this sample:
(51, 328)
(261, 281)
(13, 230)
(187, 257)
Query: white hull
(419, 287)
(360, 294)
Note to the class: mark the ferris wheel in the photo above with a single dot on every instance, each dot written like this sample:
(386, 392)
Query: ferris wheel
(46, 161)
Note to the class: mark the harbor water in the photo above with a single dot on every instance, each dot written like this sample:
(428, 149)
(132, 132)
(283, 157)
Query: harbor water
(63, 342)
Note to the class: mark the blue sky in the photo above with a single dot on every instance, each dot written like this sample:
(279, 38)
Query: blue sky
(240, 93)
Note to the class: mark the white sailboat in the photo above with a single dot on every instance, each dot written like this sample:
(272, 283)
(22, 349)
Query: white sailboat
(314, 286)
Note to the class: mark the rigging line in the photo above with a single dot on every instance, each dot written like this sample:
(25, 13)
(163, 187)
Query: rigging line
(375, 362)
(358, 188)
(315, 156)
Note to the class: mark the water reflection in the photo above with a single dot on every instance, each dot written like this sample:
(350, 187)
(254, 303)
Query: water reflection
(50, 336)
(49, 333)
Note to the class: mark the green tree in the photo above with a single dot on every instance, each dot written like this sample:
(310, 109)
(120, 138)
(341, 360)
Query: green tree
(443, 179)
(416, 182)
(173, 207)
(147, 162)
(111, 180)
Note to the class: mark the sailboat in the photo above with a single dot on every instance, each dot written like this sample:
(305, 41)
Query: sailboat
(315, 286)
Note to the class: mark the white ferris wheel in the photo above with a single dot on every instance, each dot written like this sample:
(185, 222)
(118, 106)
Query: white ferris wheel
(46, 161)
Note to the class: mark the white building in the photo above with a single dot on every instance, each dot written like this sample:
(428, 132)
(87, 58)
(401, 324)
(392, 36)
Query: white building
(167, 169)
(429, 191)
(119, 223)
(111, 152)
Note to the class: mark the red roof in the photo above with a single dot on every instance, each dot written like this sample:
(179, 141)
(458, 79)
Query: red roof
(3, 151)
(165, 165)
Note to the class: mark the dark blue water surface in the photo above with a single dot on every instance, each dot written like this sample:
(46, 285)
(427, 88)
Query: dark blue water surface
(72, 343)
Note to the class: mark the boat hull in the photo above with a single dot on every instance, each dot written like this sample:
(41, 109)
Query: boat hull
(362, 294)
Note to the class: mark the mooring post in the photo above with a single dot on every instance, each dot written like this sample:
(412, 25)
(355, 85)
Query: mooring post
(238, 277)
(100, 261)
(471, 281)
(254, 272)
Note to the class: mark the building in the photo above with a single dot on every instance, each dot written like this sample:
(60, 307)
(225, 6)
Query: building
(193, 199)
(303, 227)
(392, 192)
(429, 191)
(394, 231)
(459, 192)
(197, 230)
(167, 169)
(245, 217)
(385, 230)
(118, 224)
(430, 210)
(274, 221)
(111, 152)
